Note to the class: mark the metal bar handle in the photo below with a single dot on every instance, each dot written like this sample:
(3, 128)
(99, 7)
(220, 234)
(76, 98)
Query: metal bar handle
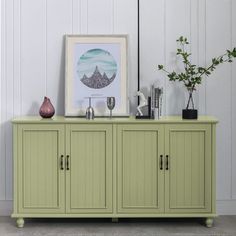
(67, 162)
(62, 162)
(167, 162)
(161, 162)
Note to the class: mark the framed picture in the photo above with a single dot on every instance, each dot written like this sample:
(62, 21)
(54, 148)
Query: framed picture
(96, 67)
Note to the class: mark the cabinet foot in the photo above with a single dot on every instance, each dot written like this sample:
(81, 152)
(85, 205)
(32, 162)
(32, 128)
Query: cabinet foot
(209, 222)
(114, 220)
(20, 222)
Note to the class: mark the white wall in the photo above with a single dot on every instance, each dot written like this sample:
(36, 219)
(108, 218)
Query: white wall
(32, 64)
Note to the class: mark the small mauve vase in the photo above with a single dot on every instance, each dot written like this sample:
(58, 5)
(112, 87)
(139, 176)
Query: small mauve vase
(46, 110)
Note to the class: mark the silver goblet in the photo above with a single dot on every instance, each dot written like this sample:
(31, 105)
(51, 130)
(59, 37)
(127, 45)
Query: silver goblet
(111, 101)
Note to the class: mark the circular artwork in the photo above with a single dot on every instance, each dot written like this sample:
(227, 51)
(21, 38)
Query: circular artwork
(97, 68)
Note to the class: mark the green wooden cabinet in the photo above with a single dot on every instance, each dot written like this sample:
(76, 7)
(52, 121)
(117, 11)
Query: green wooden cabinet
(71, 167)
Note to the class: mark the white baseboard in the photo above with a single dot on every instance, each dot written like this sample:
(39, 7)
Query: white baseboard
(5, 208)
(226, 207)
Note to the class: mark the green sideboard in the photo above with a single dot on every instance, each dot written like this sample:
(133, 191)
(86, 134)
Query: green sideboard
(71, 167)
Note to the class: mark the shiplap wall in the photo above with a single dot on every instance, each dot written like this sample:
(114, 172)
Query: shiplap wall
(32, 64)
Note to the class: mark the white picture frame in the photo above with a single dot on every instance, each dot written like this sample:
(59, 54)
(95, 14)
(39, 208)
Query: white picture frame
(96, 66)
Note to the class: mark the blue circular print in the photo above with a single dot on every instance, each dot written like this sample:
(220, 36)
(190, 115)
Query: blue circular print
(97, 68)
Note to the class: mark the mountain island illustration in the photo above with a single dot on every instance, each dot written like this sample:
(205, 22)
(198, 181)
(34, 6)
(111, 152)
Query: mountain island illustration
(97, 80)
(97, 68)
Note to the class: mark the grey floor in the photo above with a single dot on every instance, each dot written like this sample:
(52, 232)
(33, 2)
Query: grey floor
(223, 226)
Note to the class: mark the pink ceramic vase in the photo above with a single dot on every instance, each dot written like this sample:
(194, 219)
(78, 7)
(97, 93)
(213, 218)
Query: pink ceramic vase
(46, 110)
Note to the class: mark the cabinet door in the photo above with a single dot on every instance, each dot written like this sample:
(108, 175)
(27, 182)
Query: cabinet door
(140, 175)
(40, 178)
(188, 175)
(89, 174)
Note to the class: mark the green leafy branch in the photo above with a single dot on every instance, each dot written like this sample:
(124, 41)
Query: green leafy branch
(192, 74)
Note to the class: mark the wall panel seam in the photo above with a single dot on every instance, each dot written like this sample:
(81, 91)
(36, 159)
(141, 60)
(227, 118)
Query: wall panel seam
(165, 58)
(5, 97)
(0, 55)
(112, 16)
(190, 25)
(10, 108)
(72, 16)
(205, 54)
(13, 53)
(198, 47)
(80, 17)
(3, 76)
(231, 98)
(20, 72)
(46, 47)
(87, 16)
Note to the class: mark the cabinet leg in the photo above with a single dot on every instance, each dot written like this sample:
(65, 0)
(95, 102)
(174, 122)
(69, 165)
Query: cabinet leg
(209, 222)
(114, 220)
(20, 222)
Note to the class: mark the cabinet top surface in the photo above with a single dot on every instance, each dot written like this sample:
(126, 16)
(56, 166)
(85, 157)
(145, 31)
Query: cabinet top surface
(104, 120)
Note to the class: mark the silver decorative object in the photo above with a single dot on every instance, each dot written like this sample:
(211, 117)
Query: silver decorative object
(142, 102)
(111, 101)
(90, 111)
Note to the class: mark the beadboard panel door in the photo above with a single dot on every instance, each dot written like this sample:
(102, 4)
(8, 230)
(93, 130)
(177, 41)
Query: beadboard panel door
(41, 181)
(89, 169)
(140, 171)
(188, 168)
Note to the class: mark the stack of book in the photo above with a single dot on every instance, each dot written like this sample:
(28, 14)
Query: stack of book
(156, 102)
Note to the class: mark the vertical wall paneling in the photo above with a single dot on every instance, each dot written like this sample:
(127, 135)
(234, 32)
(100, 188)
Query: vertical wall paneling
(17, 85)
(194, 38)
(218, 28)
(61, 20)
(3, 102)
(84, 16)
(9, 96)
(33, 54)
(202, 53)
(233, 101)
(17, 57)
(100, 17)
(178, 22)
(76, 15)
(152, 41)
(1, 22)
(125, 22)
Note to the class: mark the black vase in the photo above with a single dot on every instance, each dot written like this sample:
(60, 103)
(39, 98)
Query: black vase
(189, 114)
